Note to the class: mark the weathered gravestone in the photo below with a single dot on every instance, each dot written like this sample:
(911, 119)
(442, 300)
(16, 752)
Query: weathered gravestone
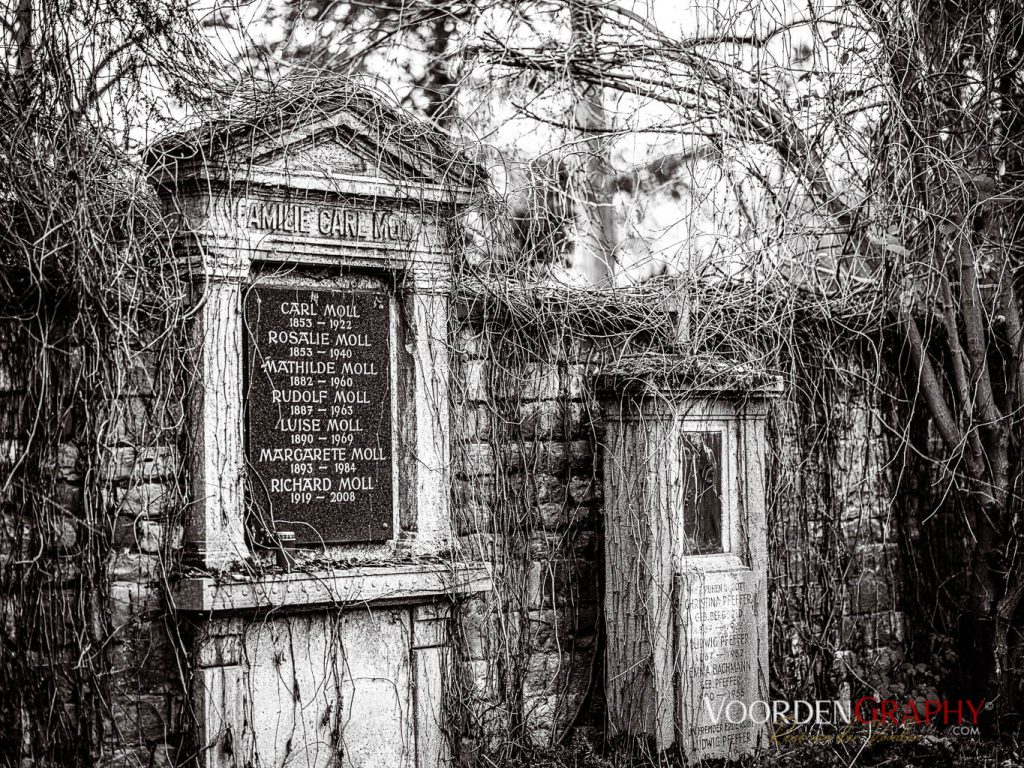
(686, 570)
(318, 250)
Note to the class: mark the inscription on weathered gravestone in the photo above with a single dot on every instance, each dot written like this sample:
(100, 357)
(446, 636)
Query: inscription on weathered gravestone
(318, 409)
(719, 662)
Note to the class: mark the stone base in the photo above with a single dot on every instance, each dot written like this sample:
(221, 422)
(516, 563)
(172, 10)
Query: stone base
(339, 667)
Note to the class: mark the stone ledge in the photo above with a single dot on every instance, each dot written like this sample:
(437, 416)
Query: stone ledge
(403, 583)
(655, 375)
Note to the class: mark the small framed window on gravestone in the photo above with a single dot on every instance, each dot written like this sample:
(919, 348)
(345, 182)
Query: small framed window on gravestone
(707, 493)
(320, 408)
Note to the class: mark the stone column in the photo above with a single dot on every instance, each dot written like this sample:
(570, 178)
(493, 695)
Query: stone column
(753, 466)
(431, 651)
(215, 525)
(428, 305)
(217, 694)
(638, 579)
(686, 618)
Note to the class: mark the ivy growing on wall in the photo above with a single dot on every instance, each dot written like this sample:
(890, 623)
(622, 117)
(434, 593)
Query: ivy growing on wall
(94, 369)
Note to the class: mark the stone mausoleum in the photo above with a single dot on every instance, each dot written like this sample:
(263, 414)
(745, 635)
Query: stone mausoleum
(321, 545)
(401, 525)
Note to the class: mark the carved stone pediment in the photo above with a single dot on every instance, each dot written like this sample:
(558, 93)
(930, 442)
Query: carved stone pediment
(325, 132)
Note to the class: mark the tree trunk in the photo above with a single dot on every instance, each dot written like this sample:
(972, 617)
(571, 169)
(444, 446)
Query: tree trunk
(438, 83)
(23, 23)
(594, 254)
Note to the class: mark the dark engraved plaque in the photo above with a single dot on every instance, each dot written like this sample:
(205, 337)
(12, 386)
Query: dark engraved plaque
(318, 408)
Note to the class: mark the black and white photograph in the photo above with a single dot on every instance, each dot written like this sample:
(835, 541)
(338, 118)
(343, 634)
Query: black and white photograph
(512, 384)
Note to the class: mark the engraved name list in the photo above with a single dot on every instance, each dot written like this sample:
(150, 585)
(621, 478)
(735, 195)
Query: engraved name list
(318, 411)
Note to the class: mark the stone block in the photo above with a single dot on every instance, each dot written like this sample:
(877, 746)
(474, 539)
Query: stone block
(475, 489)
(544, 545)
(150, 536)
(124, 535)
(8, 383)
(64, 533)
(873, 558)
(476, 423)
(540, 420)
(472, 502)
(149, 500)
(479, 460)
(536, 585)
(163, 756)
(476, 629)
(553, 689)
(578, 421)
(547, 457)
(539, 381)
(54, 600)
(69, 499)
(124, 755)
(857, 632)
(561, 629)
(132, 422)
(889, 629)
(142, 658)
(139, 373)
(68, 468)
(472, 342)
(146, 464)
(141, 719)
(899, 627)
(548, 488)
(475, 382)
(581, 544)
(478, 546)
(131, 602)
(10, 450)
(581, 454)
(479, 673)
(584, 490)
(541, 716)
(578, 380)
(552, 516)
(542, 673)
(852, 528)
(559, 582)
(134, 566)
(577, 349)
(871, 593)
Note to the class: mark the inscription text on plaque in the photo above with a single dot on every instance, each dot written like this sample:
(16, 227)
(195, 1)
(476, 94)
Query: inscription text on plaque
(718, 647)
(318, 410)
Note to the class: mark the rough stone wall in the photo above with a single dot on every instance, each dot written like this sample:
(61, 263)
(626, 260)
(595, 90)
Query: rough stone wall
(142, 501)
(838, 626)
(134, 474)
(528, 498)
(527, 490)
